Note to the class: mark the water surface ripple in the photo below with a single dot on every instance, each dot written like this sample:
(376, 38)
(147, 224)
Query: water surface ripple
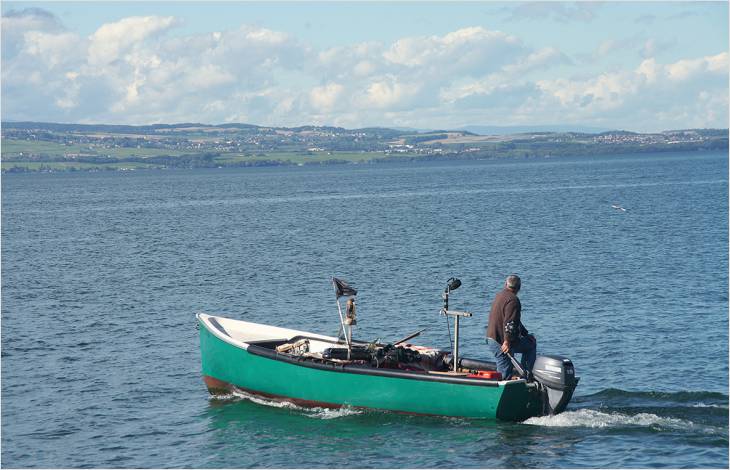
(102, 274)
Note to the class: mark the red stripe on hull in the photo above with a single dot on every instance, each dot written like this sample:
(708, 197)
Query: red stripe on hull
(217, 387)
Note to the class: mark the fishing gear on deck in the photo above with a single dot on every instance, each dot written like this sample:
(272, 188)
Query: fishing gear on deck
(391, 356)
(388, 356)
(355, 354)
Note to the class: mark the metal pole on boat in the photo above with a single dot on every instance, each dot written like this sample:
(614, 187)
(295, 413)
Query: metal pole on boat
(349, 341)
(456, 343)
(453, 284)
(456, 314)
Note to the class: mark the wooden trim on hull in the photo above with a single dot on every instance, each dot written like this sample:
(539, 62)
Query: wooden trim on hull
(217, 387)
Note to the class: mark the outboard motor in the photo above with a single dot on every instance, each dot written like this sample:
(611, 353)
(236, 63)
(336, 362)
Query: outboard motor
(557, 377)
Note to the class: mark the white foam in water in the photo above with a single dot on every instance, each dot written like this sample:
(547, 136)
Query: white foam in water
(599, 419)
(316, 412)
(332, 413)
(708, 405)
(264, 401)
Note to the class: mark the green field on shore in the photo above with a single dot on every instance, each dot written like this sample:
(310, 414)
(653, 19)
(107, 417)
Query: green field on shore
(70, 166)
(13, 148)
(118, 162)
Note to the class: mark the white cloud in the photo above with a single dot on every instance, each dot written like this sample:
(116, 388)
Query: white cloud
(649, 70)
(364, 68)
(391, 92)
(113, 39)
(687, 68)
(263, 35)
(603, 92)
(468, 50)
(324, 98)
(612, 89)
(53, 49)
(717, 63)
(135, 70)
(210, 76)
(685, 93)
(387, 93)
(540, 59)
(359, 60)
(16, 23)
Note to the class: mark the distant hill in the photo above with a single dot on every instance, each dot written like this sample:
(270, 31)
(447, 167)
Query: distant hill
(382, 132)
(389, 131)
(122, 129)
(506, 130)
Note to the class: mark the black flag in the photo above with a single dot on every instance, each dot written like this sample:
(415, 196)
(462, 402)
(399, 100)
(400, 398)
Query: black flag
(342, 288)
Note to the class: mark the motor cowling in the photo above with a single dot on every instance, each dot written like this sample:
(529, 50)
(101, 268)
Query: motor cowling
(556, 374)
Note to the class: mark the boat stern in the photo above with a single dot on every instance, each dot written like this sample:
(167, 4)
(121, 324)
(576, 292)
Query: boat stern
(520, 400)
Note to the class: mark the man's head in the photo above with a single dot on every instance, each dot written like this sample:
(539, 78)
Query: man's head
(513, 283)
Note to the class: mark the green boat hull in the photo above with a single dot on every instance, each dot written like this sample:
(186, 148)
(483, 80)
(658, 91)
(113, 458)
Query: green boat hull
(227, 366)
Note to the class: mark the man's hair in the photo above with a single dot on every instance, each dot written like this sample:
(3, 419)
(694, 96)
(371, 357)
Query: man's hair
(513, 282)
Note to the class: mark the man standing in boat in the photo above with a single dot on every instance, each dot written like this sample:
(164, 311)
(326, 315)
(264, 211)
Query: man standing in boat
(505, 331)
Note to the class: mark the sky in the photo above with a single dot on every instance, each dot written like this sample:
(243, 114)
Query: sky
(639, 66)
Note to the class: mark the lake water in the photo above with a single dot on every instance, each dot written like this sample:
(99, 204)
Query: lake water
(102, 274)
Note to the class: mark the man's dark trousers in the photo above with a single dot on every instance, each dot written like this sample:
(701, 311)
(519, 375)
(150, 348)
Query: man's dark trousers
(524, 346)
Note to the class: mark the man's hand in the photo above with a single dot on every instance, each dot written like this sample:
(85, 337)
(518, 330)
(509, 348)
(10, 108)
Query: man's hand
(505, 347)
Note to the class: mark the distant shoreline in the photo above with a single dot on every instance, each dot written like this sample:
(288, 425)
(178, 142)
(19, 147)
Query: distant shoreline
(378, 161)
(52, 147)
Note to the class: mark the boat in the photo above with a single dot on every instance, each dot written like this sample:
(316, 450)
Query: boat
(314, 370)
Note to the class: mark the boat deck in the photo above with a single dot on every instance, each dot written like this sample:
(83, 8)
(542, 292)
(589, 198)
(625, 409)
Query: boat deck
(247, 334)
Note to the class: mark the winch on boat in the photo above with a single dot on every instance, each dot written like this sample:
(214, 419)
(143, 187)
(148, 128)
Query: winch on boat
(318, 370)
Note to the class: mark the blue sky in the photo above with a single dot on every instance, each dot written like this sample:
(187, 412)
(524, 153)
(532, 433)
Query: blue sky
(644, 66)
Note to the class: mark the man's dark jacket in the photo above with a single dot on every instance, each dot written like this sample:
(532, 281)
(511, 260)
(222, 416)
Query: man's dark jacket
(505, 307)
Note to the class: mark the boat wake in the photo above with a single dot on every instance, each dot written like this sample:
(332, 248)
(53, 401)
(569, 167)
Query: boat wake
(313, 412)
(600, 419)
(616, 397)
(610, 408)
(697, 412)
(331, 413)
